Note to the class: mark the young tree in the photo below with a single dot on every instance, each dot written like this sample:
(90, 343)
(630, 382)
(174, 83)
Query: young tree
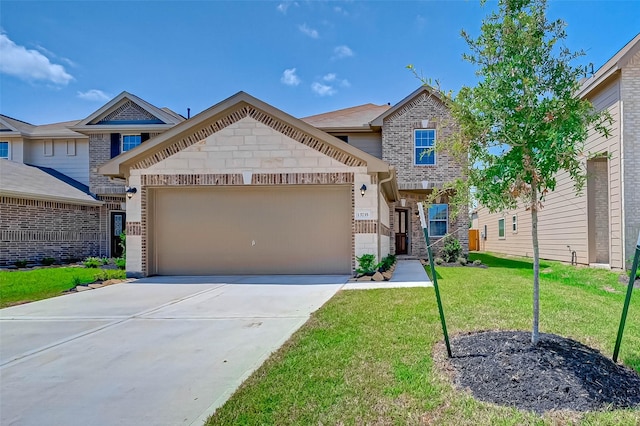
(522, 124)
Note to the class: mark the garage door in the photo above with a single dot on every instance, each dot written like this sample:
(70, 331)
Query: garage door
(297, 229)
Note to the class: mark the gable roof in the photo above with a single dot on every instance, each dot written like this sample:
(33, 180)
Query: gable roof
(617, 61)
(99, 121)
(24, 181)
(356, 118)
(12, 127)
(378, 121)
(221, 115)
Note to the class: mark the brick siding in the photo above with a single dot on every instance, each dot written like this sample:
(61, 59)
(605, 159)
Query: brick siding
(630, 92)
(32, 229)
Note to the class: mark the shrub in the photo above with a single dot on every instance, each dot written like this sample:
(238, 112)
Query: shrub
(92, 262)
(105, 260)
(20, 263)
(438, 261)
(367, 264)
(462, 260)
(388, 261)
(109, 274)
(121, 263)
(48, 261)
(451, 249)
(477, 262)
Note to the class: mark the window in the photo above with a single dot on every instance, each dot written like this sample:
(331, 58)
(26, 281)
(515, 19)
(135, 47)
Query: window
(424, 142)
(438, 220)
(130, 142)
(501, 228)
(514, 223)
(4, 150)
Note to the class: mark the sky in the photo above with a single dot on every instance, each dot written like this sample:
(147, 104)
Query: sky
(62, 60)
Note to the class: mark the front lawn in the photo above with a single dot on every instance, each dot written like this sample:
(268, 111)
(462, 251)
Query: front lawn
(27, 286)
(366, 357)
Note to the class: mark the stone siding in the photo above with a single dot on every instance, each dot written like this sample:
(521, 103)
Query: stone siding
(100, 153)
(33, 229)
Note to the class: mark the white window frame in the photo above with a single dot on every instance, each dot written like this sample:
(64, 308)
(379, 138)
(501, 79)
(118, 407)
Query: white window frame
(8, 157)
(122, 136)
(446, 221)
(514, 223)
(504, 231)
(415, 148)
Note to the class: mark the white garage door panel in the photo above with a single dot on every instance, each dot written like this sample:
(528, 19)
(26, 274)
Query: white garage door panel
(298, 229)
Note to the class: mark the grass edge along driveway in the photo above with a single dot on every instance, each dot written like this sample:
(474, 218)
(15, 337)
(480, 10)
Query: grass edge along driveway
(366, 357)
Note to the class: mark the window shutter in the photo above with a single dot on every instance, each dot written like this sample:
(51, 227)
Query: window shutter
(115, 144)
(144, 137)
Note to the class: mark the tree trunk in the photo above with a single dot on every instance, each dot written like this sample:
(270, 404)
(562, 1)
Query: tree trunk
(536, 267)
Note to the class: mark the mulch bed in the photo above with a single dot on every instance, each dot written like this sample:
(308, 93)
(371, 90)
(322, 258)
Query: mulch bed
(503, 367)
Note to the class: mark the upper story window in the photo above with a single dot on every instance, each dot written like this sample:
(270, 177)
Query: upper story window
(438, 220)
(4, 150)
(424, 144)
(130, 142)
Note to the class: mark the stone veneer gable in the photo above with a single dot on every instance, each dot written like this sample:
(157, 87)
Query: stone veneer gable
(249, 111)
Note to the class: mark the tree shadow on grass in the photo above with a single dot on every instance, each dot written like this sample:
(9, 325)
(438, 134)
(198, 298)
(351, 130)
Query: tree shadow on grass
(501, 262)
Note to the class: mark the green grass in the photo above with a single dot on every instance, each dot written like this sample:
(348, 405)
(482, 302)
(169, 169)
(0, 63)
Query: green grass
(28, 286)
(367, 357)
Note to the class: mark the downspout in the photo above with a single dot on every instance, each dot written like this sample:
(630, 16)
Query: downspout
(379, 192)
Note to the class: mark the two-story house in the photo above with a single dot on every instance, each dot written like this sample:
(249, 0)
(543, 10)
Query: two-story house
(53, 201)
(246, 188)
(600, 225)
(404, 136)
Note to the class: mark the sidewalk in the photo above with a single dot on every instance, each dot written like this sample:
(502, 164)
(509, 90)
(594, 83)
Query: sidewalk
(408, 273)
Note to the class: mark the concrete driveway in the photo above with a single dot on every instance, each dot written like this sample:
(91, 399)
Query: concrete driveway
(158, 351)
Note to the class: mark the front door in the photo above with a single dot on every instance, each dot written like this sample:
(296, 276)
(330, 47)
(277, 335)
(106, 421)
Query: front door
(401, 226)
(117, 228)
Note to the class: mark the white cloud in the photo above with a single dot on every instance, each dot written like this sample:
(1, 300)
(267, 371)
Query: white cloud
(282, 7)
(323, 89)
(308, 31)
(342, 52)
(29, 65)
(290, 78)
(340, 11)
(333, 78)
(330, 77)
(94, 95)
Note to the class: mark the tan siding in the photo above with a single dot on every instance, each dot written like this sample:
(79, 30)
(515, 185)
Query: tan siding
(371, 143)
(74, 166)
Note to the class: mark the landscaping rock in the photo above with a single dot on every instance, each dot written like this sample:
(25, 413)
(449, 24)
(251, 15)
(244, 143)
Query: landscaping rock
(387, 275)
(378, 277)
(364, 278)
(113, 281)
(95, 285)
(82, 288)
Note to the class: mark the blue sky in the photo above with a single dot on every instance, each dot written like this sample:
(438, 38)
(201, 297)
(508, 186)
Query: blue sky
(63, 60)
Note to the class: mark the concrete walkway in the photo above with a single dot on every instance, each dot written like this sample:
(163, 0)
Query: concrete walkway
(408, 273)
(159, 351)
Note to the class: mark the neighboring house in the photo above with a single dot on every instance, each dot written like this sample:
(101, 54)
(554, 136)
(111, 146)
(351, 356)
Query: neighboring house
(600, 225)
(42, 213)
(402, 136)
(244, 187)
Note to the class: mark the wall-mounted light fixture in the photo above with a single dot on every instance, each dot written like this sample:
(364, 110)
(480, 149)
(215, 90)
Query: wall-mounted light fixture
(130, 190)
(363, 188)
